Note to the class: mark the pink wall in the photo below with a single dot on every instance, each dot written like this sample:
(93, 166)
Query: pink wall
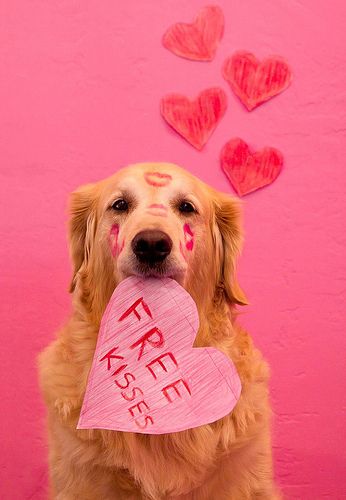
(80, 86)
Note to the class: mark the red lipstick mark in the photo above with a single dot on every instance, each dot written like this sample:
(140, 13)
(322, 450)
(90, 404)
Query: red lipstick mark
(157, 205)
(121, 246)
(188, 236)
(114, 239)
(157, 179)
(114, 234)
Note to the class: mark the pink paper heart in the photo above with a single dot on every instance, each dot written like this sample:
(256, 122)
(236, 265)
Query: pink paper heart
(197, 41)
(254, 81)
(195, 120)
(145, 376)
(249, 171)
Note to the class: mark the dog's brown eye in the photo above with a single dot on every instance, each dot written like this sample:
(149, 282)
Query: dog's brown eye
(186, 207)
(120, 205)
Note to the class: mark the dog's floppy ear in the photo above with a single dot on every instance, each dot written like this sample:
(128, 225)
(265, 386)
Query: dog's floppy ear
(82, 227)
(228, 239)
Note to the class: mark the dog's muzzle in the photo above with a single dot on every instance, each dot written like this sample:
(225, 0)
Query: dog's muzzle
(151, 247)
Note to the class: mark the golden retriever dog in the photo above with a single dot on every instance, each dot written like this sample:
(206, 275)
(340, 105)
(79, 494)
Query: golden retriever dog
(132, 224)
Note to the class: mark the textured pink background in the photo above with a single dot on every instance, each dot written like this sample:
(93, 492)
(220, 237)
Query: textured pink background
(80, 84)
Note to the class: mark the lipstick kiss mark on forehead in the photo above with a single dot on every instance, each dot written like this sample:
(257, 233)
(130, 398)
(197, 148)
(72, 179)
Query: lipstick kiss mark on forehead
(157, 179)
(157, 205)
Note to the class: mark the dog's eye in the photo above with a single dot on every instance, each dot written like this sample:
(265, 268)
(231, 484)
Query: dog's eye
(186, 207)
(120, 205)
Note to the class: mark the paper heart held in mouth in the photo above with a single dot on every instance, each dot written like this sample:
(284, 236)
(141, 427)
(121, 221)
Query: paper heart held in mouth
(145, 375)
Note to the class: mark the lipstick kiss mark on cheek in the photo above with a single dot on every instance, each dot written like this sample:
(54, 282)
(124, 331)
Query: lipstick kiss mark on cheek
(189, 245)
(188, 237)
(122, 246)
(116, 248)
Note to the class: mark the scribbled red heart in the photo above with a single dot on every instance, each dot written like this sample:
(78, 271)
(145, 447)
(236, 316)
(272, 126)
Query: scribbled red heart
(197, 41)
(195, 120)
(249, 171)
(255, 82)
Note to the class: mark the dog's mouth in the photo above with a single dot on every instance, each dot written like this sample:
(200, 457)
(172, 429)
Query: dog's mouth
(158, 270)
(150, 269)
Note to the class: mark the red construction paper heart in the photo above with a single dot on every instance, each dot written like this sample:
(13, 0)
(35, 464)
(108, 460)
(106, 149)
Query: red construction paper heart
(249, 171)
(255, 82)
(145, 376)
(195, 120)
(197, 41)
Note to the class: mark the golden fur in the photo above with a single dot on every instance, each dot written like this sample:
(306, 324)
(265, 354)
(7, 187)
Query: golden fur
(229, 459)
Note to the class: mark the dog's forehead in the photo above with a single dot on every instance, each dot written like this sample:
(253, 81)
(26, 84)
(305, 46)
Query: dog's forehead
(155, 178)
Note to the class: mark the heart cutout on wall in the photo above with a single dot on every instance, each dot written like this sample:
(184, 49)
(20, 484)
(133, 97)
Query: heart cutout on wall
(197, 41)
(255, 82)
(195, 120)
(249, 171)
(145, 376)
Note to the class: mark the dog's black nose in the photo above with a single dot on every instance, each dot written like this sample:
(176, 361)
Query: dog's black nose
(151, 246)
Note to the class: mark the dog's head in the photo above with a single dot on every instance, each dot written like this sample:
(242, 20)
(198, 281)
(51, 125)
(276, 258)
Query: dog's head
(153, 219)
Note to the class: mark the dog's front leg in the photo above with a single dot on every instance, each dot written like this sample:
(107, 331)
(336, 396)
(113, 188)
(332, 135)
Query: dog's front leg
(245, 474)
(77, 470)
